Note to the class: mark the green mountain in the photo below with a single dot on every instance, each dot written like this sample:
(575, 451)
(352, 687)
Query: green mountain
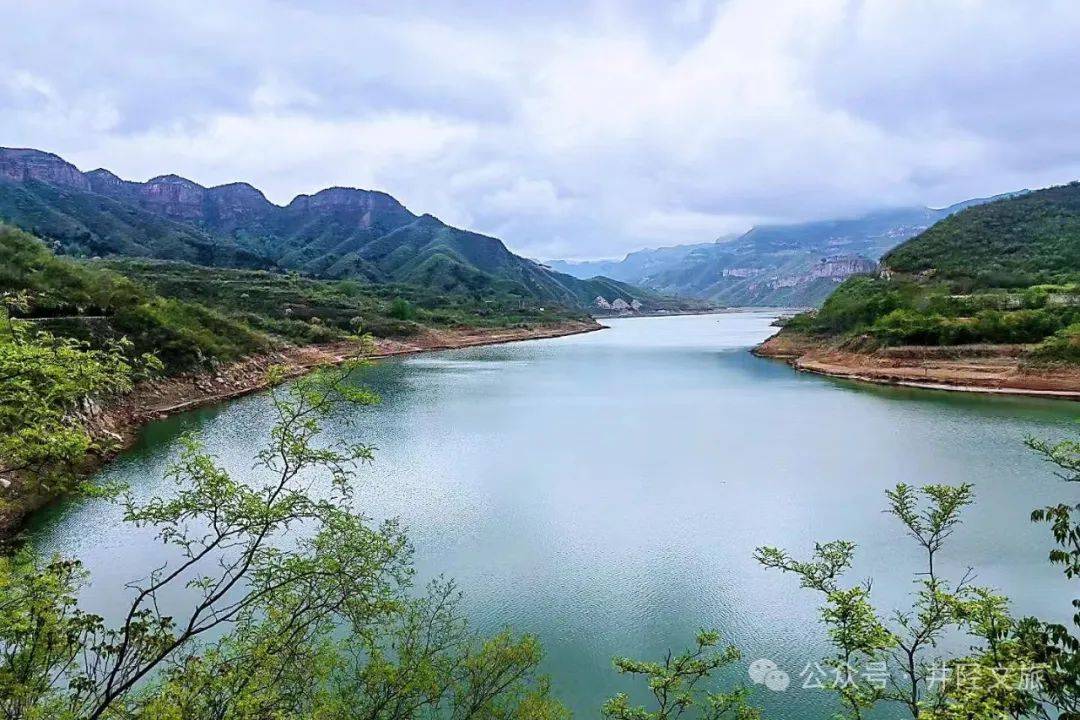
(771, 265)
(335, 233)
(192, 316)
(1016, 242)
(1004, 272)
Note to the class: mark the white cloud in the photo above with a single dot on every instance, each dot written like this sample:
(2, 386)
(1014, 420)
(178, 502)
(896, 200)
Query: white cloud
(565, 129)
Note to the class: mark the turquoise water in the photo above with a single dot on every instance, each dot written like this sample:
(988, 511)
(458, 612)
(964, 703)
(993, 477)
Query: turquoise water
(606, 491)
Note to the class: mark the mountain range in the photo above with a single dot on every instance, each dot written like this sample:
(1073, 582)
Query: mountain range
(334, 233)
(777, 265)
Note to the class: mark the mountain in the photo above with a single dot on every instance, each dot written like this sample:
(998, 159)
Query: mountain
(1005, 272)
(1019, 241)
(635, 266)
(335, 233)
(778, 265)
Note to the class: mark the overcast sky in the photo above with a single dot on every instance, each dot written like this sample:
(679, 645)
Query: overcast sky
(570, 129)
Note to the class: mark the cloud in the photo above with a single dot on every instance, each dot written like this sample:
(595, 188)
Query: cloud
(576, 129)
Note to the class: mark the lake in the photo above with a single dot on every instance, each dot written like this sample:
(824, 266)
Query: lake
(606, 491)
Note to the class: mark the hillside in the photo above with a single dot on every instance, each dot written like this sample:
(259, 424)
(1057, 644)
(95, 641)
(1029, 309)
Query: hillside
(996, 283)
(195, 317)
(336, 233)
(771, 265)
(1017, 242)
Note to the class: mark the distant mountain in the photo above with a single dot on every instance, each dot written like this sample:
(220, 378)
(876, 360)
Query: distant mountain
(777, 265)
(334, 233)
(636, 265)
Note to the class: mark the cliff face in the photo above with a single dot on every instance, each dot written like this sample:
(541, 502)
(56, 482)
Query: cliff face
(363, 209)
(181, 199)
(174, 197)
(836, 269)
(22, 165)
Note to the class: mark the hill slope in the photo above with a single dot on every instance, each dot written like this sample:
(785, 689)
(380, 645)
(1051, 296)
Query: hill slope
(195, 317)
(335, 233)
(1015, 242)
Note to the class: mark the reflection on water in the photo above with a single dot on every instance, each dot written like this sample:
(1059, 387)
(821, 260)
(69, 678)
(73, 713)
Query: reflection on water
(606, 491)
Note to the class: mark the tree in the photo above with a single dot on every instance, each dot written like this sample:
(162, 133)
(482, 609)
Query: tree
(273, 570)
(675, 685)
(400, 309)
(990, 681)
(1058, 645)
(44, 382)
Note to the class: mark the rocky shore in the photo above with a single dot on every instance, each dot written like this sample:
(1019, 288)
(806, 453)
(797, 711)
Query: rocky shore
(995, 369)
(116, 425)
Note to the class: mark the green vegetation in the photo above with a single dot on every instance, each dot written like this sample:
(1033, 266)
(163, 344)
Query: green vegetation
(1007, 272)
(278, 602)
(1014, 667)
(1017, 242)
(676, 686)
(44, 381)
(284, 622)
(300, 607)
(190, 316)
(337, 233)
(72, 299)
(906, 312)
(78, 332)
(297, 606)
(302, 310)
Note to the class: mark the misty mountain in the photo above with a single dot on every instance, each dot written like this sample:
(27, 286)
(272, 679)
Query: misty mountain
(779, 265)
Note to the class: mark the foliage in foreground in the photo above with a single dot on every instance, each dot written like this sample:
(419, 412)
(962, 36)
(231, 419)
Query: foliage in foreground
(44, 381)
(272, 569)
(676, 686)
(1014, 668)
(301, 608)
(298, 607)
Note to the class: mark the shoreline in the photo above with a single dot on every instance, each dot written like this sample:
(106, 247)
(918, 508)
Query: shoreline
(663, 313)
(985, 369)
(120, 422)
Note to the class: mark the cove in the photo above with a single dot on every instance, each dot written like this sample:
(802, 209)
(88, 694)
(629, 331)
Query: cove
(606, 491)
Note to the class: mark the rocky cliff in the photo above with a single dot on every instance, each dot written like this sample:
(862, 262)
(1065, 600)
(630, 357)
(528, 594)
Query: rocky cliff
(22, 165)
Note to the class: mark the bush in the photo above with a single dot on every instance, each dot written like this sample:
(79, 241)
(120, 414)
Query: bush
(1062, 347)
(401, 309)
(855, 305)
(1021, 326)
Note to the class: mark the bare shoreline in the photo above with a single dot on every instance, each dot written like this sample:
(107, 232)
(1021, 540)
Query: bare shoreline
(991, 370)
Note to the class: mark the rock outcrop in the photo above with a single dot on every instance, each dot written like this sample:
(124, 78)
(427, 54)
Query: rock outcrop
(23, 165)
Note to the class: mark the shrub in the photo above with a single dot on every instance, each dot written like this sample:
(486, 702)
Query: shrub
(401, 309)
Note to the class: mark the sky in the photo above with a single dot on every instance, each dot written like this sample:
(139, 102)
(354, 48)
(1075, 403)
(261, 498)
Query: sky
(568, 129)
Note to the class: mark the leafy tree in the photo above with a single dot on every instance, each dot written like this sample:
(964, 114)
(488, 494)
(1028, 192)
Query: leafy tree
(1058, 644)
(400, 309)
(273, 572)
(988, 682)
(44, 382)
(676, 685)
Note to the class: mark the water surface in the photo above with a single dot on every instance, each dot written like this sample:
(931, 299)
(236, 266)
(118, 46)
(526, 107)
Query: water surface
(606, 491)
